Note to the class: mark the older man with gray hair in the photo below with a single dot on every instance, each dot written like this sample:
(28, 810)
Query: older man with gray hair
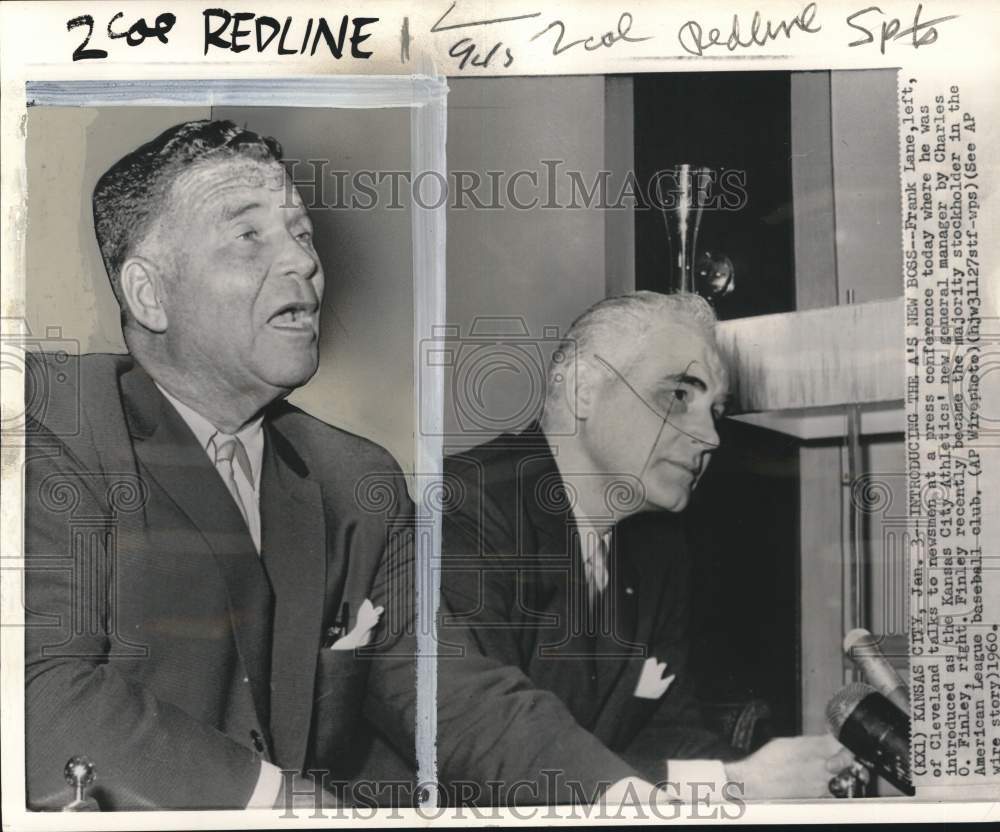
(565, 557)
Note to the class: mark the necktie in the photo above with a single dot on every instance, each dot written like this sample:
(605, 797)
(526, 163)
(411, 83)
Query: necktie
(227, 450)
(595, 563)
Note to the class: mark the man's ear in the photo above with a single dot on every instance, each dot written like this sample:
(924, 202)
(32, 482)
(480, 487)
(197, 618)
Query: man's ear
(579, 388)
(142, 288)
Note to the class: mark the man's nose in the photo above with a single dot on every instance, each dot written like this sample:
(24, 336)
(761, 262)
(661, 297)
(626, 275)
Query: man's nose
(706, 432)
(297, 259)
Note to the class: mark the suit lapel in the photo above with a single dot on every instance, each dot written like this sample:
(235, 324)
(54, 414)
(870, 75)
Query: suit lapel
(626, 582)
(543, 495)
(168, 450)
(547, 537)
(643, 563)
(646, 546)
(565, 653)
(617, 642)
(631, 596)
(294, 550)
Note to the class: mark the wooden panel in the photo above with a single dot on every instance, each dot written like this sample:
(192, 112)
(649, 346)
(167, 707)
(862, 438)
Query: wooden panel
(519, 274)
(819, 465)
(619, 160)
(821, 577)
(866, 187)
(820, 357)
(812, 191)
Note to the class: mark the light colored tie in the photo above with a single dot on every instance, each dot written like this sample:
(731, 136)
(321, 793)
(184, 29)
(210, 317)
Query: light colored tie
(595, 563)
(227, 450)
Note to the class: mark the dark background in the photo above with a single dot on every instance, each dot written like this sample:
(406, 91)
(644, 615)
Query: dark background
(744, 518)
(722, 120)
(743, 528)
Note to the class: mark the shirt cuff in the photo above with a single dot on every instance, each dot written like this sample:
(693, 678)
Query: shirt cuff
(681, 774)
(631, 787)
(265, 793)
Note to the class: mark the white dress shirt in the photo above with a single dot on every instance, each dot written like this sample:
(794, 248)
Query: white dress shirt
(594, 549)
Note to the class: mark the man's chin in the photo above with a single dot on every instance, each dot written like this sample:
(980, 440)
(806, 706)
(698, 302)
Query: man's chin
(289, 375)
(673, 500)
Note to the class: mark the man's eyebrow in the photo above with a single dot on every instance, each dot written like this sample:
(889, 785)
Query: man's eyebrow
(231, 213)
(685, 378)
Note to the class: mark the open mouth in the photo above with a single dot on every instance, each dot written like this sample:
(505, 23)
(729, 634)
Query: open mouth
(294, 317)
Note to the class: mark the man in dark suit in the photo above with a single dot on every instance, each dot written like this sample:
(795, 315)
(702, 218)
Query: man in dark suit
(564, 555)
(219, 586)
(176, 640)
(186, 656)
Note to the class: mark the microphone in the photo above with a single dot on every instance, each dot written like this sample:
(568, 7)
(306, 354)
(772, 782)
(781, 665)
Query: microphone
(874, 730)
(862, 649)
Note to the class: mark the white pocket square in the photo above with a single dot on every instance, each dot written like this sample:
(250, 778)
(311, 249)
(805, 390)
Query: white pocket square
(368, 617)
(651, 684)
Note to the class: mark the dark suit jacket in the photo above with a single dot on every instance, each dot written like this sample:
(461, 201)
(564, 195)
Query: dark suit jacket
(157, 642)
(512, 573)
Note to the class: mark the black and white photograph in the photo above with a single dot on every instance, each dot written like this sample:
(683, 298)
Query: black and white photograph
(616, 532)
(499, 414)
(232, 571)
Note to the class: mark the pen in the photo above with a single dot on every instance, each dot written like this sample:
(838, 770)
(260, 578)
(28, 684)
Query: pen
(339, 627)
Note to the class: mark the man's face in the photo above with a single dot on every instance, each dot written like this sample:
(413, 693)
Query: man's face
(245, 284)
(655, 418)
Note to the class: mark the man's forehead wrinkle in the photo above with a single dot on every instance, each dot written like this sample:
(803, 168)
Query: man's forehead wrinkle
(209, 192)
(227, 199)
(204, 180)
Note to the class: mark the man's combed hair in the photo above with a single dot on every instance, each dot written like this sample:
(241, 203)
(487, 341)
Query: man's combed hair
(614, 327)
(130, 195)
